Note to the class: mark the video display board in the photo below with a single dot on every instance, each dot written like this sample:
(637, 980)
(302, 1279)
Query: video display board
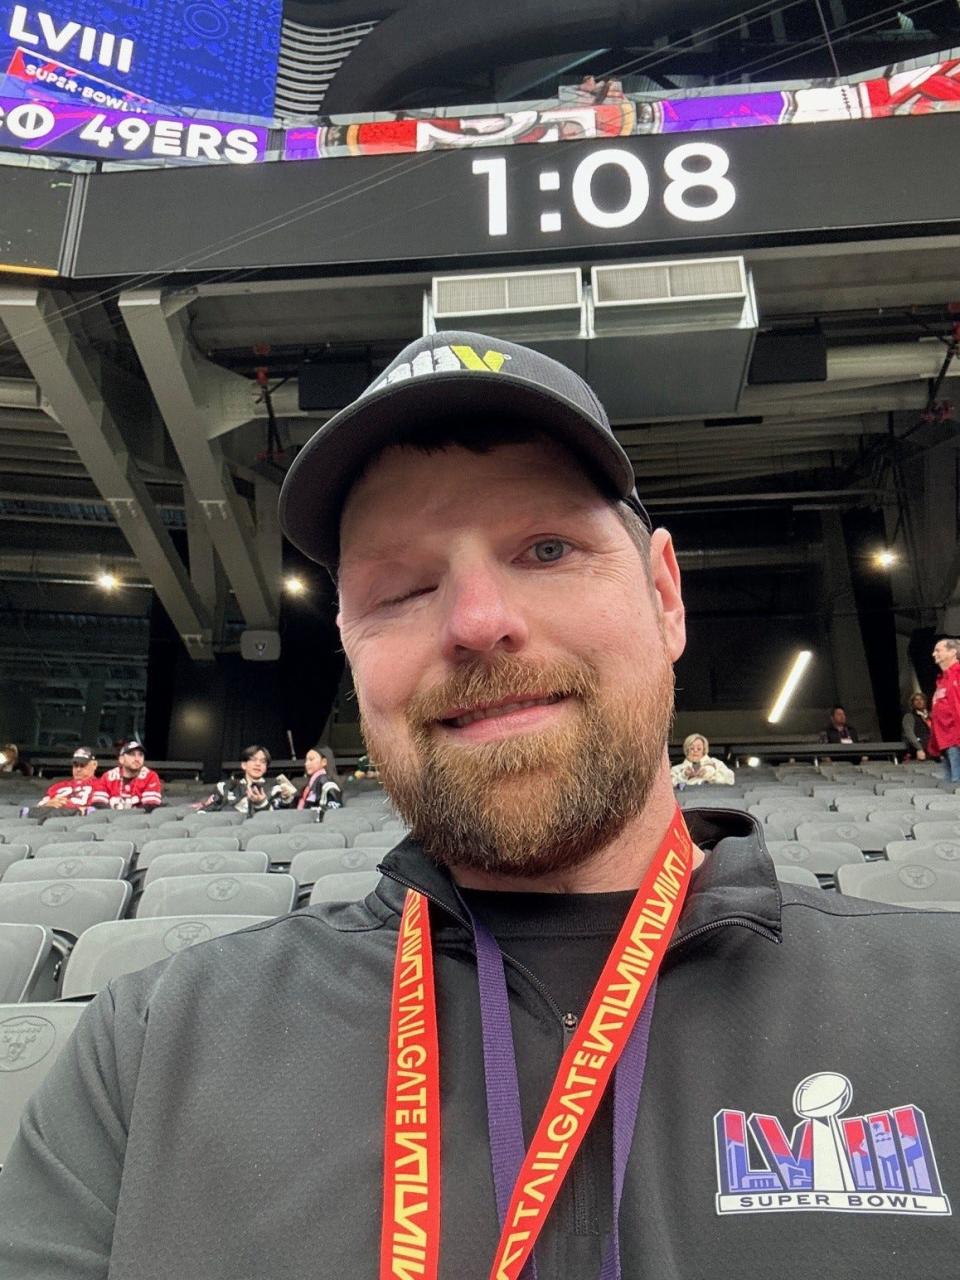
(131, 56)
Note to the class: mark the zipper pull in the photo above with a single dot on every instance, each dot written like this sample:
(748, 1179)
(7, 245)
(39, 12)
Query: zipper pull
(569, 1022)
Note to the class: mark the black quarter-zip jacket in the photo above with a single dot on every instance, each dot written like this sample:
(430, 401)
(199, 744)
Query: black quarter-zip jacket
(220, 1115)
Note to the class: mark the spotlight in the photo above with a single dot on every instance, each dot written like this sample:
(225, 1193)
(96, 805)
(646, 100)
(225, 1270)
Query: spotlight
(294, 586)
(753, 762)
(799, 666)
(107, 581)
(885, 559)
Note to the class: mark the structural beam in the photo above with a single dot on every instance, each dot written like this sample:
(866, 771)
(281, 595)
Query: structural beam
(198, 402)
(854, 688)
(71, 381)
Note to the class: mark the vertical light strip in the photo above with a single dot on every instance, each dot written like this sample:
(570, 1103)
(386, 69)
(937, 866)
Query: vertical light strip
(794, 676)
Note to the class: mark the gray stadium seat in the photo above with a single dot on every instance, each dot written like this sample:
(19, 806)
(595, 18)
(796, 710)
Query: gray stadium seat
(312, 865)
(219, 862)
(375, 839)
(169, 830)
(283, 847)
(796, 875)
(872, 837)
(934, 853)
(902, 882)
(44, 835)
(922, 800)
(91, 867)
(345, 820)
(63, 823)
(28, 961)
(348, 886)
(247, 893)
(67, 906)
(905, 819)
(87, 848)
(220, 818)
(9, 811)
(16, 824)
(775, 829)
(129, 821)
(108, 950)
(943, 807)
(31, 1038)
(936, 829)
(11, 853)
(821, 859)
(287, 818)
(208, 831)
(192, 844)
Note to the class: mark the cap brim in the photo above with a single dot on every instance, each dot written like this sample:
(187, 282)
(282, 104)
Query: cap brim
(320, 478)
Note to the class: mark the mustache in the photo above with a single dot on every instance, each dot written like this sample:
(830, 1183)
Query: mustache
(503, 677)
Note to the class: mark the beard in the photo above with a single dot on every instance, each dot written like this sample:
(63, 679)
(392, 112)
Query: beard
(534, 803)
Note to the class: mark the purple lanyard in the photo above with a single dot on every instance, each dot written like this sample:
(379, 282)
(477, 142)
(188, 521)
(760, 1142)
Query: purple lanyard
(504, 1120)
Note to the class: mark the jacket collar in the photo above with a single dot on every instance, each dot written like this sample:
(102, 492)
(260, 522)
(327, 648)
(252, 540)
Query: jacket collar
(735, 883)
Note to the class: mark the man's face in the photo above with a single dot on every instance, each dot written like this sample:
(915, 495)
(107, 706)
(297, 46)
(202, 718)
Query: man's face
(943, 656)
(131, 762)
(511, 655)
(84, 769)
(839, 717)
(255, 767)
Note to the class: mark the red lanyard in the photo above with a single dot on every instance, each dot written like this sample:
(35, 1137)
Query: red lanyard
(410, 1239)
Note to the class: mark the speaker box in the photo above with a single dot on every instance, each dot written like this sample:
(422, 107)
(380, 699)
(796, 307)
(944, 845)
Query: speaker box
(260, 646)
(788, 357)
(332, 384)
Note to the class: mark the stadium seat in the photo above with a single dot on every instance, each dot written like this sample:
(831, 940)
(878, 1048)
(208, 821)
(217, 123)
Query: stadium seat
(282, 848)
(247, 893)
(45, 835)
(287, 818)
(936, 829)
(214, 831)
(87, 848)
(11, 853)
(16, 824)
(63, 823)
(777, 829)
(91, 867)
(941, 806)
(796, 875)
(344, 820)
(219, 818)
(129, 821)
(902, 883)
(905, 819)
(348, 886)
(220, 862)
(375, 839)
(66, 906)
(192, 844)
(821, 859)
(31, 1038)
(923, 800)
(314, 864)
(28, 963)
(872, 837)
(108, 950)
(934, 853)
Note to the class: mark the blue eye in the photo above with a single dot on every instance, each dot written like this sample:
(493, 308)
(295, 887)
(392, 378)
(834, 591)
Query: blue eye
(549, 550)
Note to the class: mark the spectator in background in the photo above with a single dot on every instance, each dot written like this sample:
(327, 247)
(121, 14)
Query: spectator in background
(320, 788)
(131, 785)
(248, 793)
(945, 709)
(81, 791)
(11, 761)
(916, 726)
(699, 766)
(839, 728)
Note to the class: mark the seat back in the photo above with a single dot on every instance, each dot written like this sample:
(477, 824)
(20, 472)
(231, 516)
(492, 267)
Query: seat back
(87, 848)
(347, 886)
(108, 950)
(872, 837)
(91, 867)
(67, 906)
(216, 862)
(11, 853)
(285, 847)
(936, 829)
(902, 882)
(797, 875)
(935, 853)
(31, 1038)
(375, 839)
(27, 960)
(192, 844)
(820, 859)
(314, 864)
(246, 893)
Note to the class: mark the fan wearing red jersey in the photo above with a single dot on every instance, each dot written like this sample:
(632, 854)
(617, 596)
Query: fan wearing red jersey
(84, 790)
(131, 785)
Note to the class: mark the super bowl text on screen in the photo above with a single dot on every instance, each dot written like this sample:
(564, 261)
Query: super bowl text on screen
(612, 187)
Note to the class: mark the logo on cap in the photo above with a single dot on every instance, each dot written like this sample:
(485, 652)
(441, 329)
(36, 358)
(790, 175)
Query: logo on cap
(455, 358)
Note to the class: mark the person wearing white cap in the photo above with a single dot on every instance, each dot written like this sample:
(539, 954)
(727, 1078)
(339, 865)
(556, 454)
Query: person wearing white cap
(130, 784)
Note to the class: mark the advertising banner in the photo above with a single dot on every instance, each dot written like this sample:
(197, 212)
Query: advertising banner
(63, 129)
(176, 55)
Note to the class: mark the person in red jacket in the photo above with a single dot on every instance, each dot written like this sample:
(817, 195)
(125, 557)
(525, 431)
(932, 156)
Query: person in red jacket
(131, 785)
(945, 708)
(84, 790)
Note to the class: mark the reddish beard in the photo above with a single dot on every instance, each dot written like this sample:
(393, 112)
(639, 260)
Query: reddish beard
(533, 803)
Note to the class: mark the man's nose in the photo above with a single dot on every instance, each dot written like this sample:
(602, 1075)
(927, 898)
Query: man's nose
(482, 615)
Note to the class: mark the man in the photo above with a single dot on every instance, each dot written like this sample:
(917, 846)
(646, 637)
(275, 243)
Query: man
(83, 790)
(281, 1102)
(839, 728)
(131, 785)
(945, 709)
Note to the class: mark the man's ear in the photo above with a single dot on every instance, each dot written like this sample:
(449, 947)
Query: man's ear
(665, 573)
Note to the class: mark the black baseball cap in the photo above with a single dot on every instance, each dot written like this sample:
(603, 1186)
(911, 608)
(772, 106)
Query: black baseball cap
(83, 755)
(443, 375)
(132, 745)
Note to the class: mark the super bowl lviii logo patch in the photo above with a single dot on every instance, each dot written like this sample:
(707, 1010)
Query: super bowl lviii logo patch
(882, 1162)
